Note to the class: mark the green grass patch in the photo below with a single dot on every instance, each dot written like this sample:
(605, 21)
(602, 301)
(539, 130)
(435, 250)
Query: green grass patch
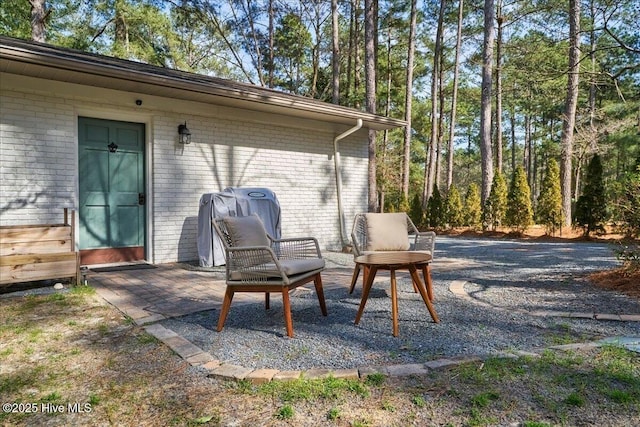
(620, 364)
(34, 335)
(285, 413)
(621, 396)
(574, 399)
(94, 399)
(146, 338)
(82, 290)
(388, 406)
(419, 401)
(483, 400)
(376, 379)
(333, 414)
(58, 298)
(21, 379)
(306, 390)
(53, 397)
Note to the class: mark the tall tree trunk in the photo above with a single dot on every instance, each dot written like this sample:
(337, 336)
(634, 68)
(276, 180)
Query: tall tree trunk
(525, 152)
(271, 38)
(39, 15)
(454, 97)
(528, 143)
(335, 56)
(512, 118)
(569, 117)
(370, 89)
(485, 101)
(350, 56)
(253, 35)
(406, 152)
(356, 54)
(592, 83)
(498, 127)
(534, 178)
(578, 172)
(431, 157)
(121, 33)
(317, 26)
(385, 136)
(438, 180)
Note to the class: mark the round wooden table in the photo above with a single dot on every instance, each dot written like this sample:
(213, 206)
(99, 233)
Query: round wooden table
(393, 261)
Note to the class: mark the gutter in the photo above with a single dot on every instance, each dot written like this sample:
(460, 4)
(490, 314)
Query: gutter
(338, 169)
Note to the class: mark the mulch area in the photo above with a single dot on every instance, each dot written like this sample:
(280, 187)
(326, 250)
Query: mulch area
(619, 280)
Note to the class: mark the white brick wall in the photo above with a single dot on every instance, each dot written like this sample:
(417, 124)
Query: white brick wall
(38, 158)
(297, 166)
(38, 172)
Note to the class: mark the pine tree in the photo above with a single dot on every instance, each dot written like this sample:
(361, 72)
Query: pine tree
(472, 207)
(631, 202)
(519, 213)
(496, 204)
(416, 212)
(403, 205)
(435, 209)
(549, 209)
(455, 216)
(591, 208)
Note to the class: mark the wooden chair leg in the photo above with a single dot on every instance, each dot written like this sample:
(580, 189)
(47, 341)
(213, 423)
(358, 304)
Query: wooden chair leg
(426, 273)
(415, 287)
(226, 304)
(370, 275)
(267, 300)
(318, 284)
(394, 303)
(354, 279)
(286, 305)
(423, 293)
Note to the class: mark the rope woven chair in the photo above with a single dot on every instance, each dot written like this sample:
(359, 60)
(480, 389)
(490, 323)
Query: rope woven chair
(256, 262)
(381, 232)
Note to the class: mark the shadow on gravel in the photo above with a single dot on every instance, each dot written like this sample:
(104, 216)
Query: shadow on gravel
(255, 338)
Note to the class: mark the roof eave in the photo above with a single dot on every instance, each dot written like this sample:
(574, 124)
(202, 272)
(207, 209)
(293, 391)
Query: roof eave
(188, 86)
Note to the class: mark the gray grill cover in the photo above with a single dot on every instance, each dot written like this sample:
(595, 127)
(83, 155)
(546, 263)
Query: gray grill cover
(233, 201)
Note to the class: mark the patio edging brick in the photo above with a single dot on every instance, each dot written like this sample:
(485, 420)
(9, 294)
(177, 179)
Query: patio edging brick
(219, 369)
(260, 376)
(228, 371)
(287, 375)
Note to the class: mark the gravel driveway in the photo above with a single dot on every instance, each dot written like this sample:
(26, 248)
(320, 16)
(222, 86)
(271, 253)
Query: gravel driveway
(508, 284)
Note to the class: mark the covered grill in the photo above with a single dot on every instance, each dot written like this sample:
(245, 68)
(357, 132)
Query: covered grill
(233, 201)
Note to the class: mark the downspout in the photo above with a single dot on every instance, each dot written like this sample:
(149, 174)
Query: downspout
(336, 159)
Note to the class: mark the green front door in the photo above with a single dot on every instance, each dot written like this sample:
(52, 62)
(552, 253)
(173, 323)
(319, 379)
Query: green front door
(112, 190)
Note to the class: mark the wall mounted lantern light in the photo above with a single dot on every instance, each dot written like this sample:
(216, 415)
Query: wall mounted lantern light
(184, 134)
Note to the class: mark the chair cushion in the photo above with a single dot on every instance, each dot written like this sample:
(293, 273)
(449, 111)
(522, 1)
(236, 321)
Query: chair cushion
(296, 266)
(246, 231)
(387, 232)
(291, 267)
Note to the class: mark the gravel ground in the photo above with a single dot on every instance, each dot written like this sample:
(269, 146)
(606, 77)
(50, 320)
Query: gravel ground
(507, 280)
